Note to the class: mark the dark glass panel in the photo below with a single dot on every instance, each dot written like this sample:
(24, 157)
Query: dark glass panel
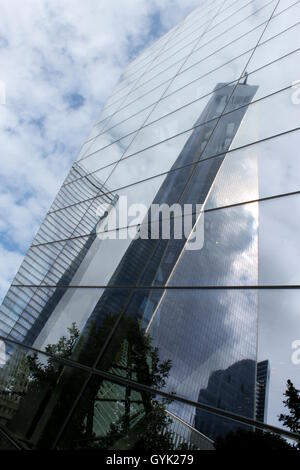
(36, 394)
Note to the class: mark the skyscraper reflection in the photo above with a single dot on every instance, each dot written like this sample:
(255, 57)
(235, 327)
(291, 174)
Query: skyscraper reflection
(201, 334)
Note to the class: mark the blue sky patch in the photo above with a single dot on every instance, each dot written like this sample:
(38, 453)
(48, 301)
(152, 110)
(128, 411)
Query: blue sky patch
(74, 100)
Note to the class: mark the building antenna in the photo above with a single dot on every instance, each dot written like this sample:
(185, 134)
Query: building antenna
(246, 78)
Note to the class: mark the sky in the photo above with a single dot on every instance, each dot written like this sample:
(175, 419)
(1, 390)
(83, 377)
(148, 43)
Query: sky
(60, 60)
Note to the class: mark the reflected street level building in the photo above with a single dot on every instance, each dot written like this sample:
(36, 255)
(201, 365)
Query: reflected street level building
(98, 323)
(262, 390)
(232, 390)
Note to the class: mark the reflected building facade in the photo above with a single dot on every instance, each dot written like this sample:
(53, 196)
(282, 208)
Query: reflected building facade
(150, 262)
(262, 393)
(28, 313)
(23, 315)
(231, 390)
(153, 316)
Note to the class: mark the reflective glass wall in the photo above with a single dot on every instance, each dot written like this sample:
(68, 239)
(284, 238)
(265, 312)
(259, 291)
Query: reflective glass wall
(110, 335)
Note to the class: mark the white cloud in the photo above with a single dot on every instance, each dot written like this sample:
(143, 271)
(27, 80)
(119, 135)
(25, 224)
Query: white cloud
(51, 50)
(9, 262)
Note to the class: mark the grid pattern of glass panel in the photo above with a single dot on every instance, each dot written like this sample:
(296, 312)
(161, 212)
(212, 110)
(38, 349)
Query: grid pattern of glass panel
(110, 338)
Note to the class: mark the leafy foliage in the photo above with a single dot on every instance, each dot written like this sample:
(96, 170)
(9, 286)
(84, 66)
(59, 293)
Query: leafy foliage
(144, 427)
(47, 371)
(243, 440)
(292, 402)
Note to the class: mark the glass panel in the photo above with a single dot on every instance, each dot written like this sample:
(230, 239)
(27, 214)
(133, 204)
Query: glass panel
(151, 162)
(132, 80)
(113, 100)
(213, 373)
(125, 86)
(266, 118)
(194, 91)
(238, 13)
(135, 73)
(113, 107)
(228, 234)
(275, 75)
(237, 40)
(134, 76)
(65, 223)
(88, 260)
(193, 36)
(98, 127)
(36, 395)
(198, 90)
(202, 11)
(160, 65)
(116, 132)
(284, 5)
(244, 245)
(283, 21)
(138, 105)
(231, 8)
(278, 351)
(254, 172)
(156, 81)
(203, 114)
(145, 60)
(39, 394)
(200, 22)
(275, 48)
(54, 319)
(225, 63)
(262, 170)
(112, 416)
(283, 73)
(244, 175)
(150, 52)
(253, 62)
(103, 157)
(196, 32)
(39, 317)
(228, 256)
(220, 328)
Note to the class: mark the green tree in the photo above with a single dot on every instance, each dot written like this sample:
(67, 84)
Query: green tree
(48, 371)
(138, 420)
(243, 440)
(142, 422)
(260, 440)
(151, 433)
(291, 420)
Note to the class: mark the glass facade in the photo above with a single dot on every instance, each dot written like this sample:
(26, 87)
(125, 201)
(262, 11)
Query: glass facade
(113, 340)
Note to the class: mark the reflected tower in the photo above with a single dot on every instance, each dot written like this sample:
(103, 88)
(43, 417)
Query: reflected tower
(178, 325)
(152, 262)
